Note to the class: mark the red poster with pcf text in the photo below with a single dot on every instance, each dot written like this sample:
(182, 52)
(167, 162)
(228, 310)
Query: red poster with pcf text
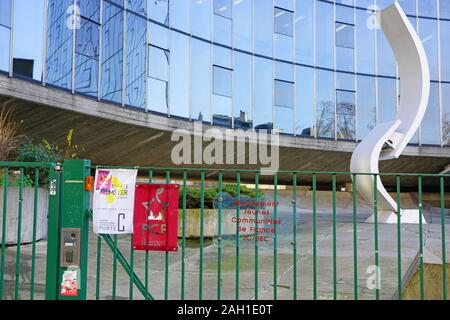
(156, 217)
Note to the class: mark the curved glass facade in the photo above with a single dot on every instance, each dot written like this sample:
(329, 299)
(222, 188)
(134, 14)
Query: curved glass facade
(313, 68)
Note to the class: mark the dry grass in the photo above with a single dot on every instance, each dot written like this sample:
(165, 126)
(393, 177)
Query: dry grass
(8, 130)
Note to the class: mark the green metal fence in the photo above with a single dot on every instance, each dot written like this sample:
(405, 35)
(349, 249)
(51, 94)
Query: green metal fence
(321, 250)
(21, 185)
(242, 273)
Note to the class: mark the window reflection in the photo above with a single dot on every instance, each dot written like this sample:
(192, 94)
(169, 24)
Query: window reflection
(283, 22)
(112, 51)
(136, 61)
(5, 34)
(59, 44)
(201, 81)
(346, 115)
(305, 102)
(158, 82)
(87, 56)
(223, 8)
(325, 114)
(263, 94)
(367, 111)
(242, 91)
(446, 114)
(158, 10)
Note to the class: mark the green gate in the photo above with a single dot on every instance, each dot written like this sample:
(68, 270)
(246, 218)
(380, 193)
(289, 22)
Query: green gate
(322, 250)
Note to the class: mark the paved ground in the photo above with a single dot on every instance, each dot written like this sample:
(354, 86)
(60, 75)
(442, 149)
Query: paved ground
(285, 260)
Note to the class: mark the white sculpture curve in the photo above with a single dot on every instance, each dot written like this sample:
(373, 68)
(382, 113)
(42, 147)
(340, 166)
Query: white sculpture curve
(388, 140)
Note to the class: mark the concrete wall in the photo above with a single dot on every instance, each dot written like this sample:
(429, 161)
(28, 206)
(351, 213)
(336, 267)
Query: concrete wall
(27, 215)
(210, 227)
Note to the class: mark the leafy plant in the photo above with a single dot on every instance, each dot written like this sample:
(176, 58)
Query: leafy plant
(193, 195)
(8, 131)
(14, 180)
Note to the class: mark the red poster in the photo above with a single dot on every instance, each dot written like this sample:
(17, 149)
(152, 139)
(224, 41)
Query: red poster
(156, 217)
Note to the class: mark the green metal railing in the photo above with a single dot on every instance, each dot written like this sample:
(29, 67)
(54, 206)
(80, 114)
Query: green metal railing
(290, 266)
(297, 271)
(21, 174)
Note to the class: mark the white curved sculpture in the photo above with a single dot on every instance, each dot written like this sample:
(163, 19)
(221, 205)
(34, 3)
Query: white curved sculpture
(388, 140)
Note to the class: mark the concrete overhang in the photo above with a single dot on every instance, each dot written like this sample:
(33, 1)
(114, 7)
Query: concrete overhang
(113, 135)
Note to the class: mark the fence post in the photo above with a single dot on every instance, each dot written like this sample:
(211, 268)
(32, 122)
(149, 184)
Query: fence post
(53, 239)
(69, 234)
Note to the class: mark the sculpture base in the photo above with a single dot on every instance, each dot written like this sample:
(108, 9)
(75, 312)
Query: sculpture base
(408, 216)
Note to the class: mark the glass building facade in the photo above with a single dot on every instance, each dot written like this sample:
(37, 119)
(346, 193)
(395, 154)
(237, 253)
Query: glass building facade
(312, 68)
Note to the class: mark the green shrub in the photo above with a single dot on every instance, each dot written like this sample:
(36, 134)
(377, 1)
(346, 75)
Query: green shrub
(193, 195)
(30, 152)
(14, 181)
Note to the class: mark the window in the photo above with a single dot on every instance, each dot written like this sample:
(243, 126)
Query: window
(136, 49)
(325, 34)
(87, 57)
(305, 105)
(243, 24)
(283, 22)
(158, 82)
(367, 111)
(446, 113)
(179, 75)
(243, 91)
(263, 94)
(304, 24)
(431, 132)
(201, 81)
(201, 18)
(445, 50)
(346, 115)
(284, 94)
(222, 81)
(60, 45)
(345, 35)
(263, 12)
(223, 8)
(5, 13)
(325, 104)
(158, 10)
(90, 9)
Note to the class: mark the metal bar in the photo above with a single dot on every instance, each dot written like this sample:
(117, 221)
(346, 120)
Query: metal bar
(123, 261)
(256, 238)
(275, 248)
(375, 212)
(294, 233)
(112, 244)
(334, 240)
(27, 165)
(314, 185)
(114, 284)
(299, 172)
(166, 257)
(444, 262)
(183, 241)
(131, 268)
(202, 217)
(147, 253)
(219, 240)
(52, 281)
(238, 226)
(33, 248)
(98, 276)
(355, 239)
(5, 209)
(422, 288)
(399, 240)
(19, 234)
